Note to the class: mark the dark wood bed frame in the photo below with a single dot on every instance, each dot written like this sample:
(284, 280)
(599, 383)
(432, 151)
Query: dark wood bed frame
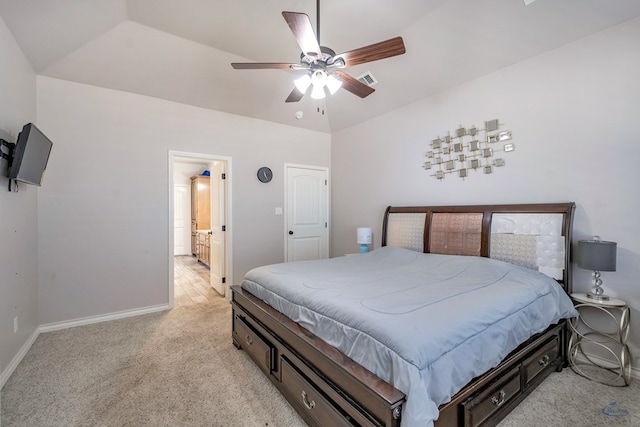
(328, 389)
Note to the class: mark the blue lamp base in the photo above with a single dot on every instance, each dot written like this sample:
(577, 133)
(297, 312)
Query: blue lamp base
(364, 248)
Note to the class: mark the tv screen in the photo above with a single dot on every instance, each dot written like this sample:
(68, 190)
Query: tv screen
(30, 156)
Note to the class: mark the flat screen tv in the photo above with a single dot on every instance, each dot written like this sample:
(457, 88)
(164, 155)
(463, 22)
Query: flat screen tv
(30, 156)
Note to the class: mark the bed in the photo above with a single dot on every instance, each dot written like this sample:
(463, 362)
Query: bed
(454, 320)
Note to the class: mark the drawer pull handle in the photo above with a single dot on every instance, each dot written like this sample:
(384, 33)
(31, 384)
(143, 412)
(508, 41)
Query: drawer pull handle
(248, 340)
(309, 405)
(498, 401)
(544, 361)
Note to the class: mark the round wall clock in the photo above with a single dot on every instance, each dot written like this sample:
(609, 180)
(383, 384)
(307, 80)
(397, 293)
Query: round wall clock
(265, 174)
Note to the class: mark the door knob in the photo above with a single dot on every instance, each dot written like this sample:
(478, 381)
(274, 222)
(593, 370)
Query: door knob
(290, 232)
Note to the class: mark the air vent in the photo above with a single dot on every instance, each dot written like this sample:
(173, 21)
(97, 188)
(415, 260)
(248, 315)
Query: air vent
(368, 79)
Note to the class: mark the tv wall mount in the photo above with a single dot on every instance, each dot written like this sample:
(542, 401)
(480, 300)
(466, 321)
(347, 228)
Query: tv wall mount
(12, 147)
(9, 156)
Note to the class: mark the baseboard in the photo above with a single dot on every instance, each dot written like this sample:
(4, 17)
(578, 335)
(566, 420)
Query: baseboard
(102, 318)
(635, 371)
(71, 324)
(18, 358)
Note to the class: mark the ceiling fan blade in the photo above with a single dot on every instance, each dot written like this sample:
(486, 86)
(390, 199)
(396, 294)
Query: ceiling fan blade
(353, 85)
(303, 32)
(374, 52)
(295, 95)
(262, 65)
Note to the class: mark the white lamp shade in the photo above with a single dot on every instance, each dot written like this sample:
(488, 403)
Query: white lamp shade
(318, 91)
(302, 83)
(364, 235)
(333, 84)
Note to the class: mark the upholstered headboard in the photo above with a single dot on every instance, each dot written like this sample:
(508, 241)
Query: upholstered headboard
(536, 236)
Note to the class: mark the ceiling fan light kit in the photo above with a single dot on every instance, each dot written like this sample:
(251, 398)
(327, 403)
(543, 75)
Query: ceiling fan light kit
(319, 79)
(321, 65)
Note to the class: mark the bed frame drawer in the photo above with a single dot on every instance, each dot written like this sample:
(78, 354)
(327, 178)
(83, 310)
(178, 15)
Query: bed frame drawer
(546, 358)
(258, 348)
(307, 395)
(482, 406)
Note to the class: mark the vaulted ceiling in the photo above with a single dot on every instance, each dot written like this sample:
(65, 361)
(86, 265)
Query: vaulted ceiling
(181, 50)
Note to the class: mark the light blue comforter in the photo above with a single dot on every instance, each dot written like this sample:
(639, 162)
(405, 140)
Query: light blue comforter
(427, 324)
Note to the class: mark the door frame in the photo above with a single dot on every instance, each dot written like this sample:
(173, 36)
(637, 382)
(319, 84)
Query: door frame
(228, 240)
(221, 202)
(285, 230)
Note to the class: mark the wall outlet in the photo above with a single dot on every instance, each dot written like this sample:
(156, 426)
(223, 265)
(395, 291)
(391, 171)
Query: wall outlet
(15, 325)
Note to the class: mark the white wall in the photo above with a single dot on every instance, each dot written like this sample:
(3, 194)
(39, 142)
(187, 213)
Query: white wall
(18, 224)
(104, 206)
(575, 118)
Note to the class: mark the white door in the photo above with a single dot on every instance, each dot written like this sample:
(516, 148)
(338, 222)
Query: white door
(307, 206)
(217, 238)
(181, 220)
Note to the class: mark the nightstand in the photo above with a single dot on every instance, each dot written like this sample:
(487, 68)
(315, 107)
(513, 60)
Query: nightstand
(609, 338)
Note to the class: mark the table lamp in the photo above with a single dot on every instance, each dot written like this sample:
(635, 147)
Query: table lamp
(597, 255)
(364, 238)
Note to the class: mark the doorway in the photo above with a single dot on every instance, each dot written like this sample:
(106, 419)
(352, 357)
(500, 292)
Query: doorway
(199, 254)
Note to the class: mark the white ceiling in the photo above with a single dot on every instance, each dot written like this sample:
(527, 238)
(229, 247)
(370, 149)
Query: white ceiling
(182, 50)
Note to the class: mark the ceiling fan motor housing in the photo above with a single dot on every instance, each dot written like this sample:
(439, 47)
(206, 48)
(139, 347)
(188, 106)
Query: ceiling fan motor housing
(326, 59)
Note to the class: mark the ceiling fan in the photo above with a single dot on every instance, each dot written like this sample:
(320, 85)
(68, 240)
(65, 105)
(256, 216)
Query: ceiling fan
(320, 65)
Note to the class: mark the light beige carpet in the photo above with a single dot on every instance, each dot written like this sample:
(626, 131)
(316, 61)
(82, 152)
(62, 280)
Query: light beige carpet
(179, 368)
(566, 399)
(176, 368)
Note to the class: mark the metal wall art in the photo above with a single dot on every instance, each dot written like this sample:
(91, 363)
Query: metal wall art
(468, 149)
